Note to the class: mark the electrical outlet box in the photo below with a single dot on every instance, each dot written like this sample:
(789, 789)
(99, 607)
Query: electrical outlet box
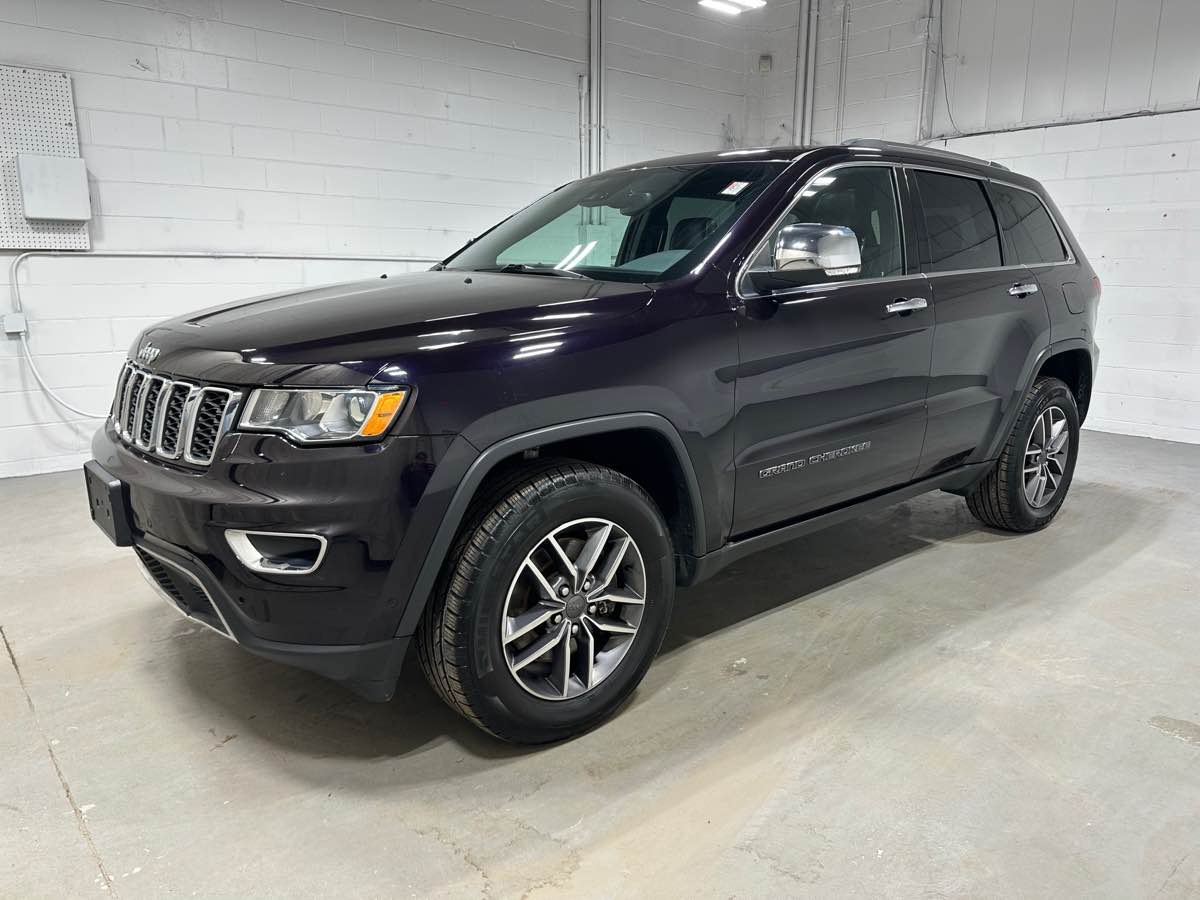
(14, 323)
(54, 188)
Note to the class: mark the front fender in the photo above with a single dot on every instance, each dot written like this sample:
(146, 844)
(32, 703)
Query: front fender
(463, 469)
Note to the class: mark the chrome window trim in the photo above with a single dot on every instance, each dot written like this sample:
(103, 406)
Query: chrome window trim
(858, 163)
(227, 633)
(1009, 268)
(248, 555)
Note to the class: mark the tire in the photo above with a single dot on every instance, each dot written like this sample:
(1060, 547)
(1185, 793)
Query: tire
(1001, 499)
(463, 642)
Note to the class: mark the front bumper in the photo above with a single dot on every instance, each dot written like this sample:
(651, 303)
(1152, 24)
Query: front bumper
(181, 579)
(340, 621)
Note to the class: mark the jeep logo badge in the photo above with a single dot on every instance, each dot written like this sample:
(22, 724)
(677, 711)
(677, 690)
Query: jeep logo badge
(148, 353)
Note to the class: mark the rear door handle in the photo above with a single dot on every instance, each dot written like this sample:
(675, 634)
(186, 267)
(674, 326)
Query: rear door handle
(1023, 289)
(908, 305)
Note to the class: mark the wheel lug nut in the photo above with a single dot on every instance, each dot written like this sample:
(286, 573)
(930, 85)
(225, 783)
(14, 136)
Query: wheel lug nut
(564, 591)
(557, 618)
(592, 610)
(574, 629)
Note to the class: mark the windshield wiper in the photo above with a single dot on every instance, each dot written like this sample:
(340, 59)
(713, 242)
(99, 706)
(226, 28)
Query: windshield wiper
(523, 269)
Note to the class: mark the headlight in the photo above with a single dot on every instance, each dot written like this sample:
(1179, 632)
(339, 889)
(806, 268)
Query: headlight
(322, 416)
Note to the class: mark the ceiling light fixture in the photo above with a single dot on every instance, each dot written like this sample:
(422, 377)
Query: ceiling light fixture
(751, 4)
(722, 7)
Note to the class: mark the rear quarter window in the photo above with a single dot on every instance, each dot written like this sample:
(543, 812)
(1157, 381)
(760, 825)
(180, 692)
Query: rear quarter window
(1027, 226)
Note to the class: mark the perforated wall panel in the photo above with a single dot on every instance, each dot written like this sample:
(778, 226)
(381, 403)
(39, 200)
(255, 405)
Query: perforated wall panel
(37, 115)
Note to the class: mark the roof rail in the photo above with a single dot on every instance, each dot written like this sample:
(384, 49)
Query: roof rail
(872, 143)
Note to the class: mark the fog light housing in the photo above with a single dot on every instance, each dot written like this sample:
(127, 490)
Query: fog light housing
(277, 553)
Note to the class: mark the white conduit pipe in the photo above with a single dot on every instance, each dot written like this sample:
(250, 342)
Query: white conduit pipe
(18, 307)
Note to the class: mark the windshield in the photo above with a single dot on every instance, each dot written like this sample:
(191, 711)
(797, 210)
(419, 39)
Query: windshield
(644, 225)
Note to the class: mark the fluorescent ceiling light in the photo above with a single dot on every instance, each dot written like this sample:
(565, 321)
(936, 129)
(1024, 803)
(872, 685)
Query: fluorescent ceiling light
(751, 4)
(720, 6)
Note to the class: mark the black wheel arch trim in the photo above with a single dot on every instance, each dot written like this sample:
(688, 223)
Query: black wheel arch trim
(1035, 366)
(463, 469)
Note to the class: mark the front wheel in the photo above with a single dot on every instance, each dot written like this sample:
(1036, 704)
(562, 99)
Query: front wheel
(556, 603)
(1029, 483)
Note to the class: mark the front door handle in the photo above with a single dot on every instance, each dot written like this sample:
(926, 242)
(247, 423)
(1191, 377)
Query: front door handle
(907, 305)
(1023, 289)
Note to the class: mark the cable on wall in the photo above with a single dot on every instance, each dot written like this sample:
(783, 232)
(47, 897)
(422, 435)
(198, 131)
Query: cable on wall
(941, 63)
(18, 306)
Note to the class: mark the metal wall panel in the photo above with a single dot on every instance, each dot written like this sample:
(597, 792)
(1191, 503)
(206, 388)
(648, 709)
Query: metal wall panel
(1010, 51)
(1088, 53)
(973, 48)
(1177, 58)
(1014, 63)
(1131, 66)
(1045, 73)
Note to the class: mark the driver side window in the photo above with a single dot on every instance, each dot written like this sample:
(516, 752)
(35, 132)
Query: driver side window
(859, 198)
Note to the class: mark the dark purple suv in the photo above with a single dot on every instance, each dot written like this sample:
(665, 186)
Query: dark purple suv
(513, 459)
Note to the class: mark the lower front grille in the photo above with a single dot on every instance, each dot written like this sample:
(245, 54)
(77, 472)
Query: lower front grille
(186, 594)
(172, 419)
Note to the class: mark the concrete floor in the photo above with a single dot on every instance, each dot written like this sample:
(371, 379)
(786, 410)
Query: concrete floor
(902, 706)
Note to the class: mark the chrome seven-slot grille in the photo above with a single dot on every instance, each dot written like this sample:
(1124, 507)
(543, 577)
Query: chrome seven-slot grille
(171, 419)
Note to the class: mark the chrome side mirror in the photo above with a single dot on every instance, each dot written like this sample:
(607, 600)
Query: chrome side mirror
(832, 249)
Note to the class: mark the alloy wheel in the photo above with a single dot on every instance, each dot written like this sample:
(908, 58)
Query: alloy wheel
(1046, 457)
(573, 609)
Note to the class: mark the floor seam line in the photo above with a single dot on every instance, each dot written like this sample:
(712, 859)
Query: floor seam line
(80, 820)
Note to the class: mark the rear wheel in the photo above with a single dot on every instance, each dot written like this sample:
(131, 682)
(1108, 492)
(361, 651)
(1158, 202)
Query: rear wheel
(1029, 483)
(555, 604)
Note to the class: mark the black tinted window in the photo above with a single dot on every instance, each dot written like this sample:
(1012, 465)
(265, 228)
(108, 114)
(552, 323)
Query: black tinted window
(960, 229)
(1027, 226)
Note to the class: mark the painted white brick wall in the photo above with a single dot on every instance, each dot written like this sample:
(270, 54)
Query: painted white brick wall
(332, 127)
(1130, 190)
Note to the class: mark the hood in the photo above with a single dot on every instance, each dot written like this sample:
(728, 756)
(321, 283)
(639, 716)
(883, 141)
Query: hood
(351, 333)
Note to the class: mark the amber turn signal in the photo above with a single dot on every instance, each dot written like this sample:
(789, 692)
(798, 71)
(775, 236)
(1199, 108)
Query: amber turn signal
(383, 413)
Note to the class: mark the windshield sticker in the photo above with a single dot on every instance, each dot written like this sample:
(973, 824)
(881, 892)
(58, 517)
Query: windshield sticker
(734, 188)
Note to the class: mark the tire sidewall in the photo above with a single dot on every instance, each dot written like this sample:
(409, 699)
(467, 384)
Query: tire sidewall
(501, 696)
(1052, 393)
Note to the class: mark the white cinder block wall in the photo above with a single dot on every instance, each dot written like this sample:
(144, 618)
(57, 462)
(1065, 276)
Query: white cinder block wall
(1128, 181)
(402, 128)
(1130, 190)
(339, 127)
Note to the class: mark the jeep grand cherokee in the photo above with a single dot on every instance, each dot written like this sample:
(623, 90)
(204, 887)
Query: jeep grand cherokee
(512, 460)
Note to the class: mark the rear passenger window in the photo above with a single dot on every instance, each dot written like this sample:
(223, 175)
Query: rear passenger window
(959, 227)
(1027, 226)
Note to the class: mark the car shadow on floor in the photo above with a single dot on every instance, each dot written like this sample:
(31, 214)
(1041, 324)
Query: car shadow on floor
(303, 714)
